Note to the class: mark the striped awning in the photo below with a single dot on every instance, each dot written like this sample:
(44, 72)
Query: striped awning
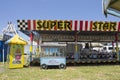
(67, 25)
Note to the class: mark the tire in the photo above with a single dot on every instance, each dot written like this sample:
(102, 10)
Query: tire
(43, 66)
(62, 66)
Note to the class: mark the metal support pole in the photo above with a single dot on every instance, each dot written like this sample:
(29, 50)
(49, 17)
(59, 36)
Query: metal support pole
(76, 48)
(31, 45)
(40, 41)
(37, 50)
(117, 49)
(3, 54)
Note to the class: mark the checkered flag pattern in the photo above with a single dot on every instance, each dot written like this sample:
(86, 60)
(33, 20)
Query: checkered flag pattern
(22, 24)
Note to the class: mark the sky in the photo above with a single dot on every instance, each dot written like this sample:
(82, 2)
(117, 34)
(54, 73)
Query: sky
(13, 10)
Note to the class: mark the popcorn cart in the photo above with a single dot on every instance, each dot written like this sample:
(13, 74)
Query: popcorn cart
(16, 52)
(52, 56)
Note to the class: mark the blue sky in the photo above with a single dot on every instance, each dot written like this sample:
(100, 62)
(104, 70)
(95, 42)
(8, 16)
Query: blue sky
(12, 10)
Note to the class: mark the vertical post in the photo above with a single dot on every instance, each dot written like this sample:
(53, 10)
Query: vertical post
(31, 45)
(76, 48)
(40, 41)
(3, 54)
(113, 46)
(37, 50)
(117, 49)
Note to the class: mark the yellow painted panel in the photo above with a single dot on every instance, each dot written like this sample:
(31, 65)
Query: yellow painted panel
(16, 56)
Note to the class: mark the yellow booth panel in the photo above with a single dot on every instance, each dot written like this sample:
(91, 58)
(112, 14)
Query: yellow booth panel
(16, 56)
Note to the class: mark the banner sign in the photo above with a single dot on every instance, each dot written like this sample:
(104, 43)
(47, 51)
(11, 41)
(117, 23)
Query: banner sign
(67, 25)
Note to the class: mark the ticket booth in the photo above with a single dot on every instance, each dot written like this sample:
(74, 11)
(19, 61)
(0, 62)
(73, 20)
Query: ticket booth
(16, 52)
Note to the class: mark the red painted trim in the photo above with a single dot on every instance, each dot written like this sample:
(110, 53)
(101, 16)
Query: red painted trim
(34, 24)
(29, 26)
(75, 27)
(81, 25)
(86, 25)
(119, 26)
(91, 23)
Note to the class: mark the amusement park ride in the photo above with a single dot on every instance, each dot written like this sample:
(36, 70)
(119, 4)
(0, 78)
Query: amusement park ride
(10, 29)
(7, 33)
(71, 33)
(65, 39)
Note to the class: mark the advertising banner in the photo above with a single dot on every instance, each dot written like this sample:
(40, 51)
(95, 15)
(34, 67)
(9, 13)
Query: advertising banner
(68, 25)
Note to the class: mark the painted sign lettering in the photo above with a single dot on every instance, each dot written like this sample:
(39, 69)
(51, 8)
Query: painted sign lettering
(53, 25)
(68, 25)
(104, 26)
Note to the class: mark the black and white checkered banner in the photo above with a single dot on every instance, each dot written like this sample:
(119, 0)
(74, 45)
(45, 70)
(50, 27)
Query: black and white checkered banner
(22, 24)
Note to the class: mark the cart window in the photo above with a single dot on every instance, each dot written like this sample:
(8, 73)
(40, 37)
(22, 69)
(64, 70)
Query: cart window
(46, 51)
(52, 51)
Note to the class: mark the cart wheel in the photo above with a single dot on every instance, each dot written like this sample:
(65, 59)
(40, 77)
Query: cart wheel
(44, 66)
(62, 66)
